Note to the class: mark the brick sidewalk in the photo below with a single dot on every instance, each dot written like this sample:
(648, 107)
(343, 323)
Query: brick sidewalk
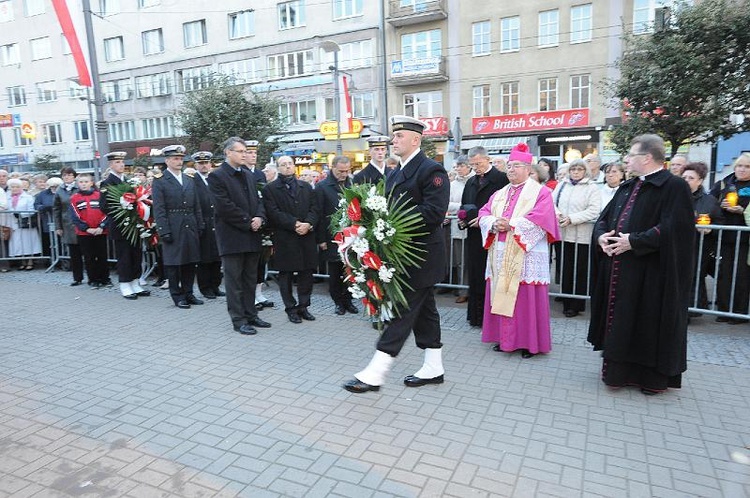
(104, 397)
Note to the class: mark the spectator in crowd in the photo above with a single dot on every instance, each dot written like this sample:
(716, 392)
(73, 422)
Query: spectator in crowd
(518, 223)
(614, 175)
(24, 240)
(549, 167)
(577, 203)
(64, 224)
(270, 172)
(478, 190)
(733, 193)
(209, 267)
(539, 174)
(594, 162)
(293, 214)
(677, 164)
(141, 174)
(25, 183)
(239, 216)
(251, 161)
(4, 180)
(327, 195)
(392, 163)
(90, 223)
(459, 269)
(38, 184)
(703, 204)
(5, 229)
(376, 169)
(641, 274)
(500, 164)
(44, 202)
(306, 175)
(561, 173)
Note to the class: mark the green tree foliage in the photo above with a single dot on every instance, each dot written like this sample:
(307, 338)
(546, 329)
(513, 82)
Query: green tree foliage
(685, 81)
(211, 115)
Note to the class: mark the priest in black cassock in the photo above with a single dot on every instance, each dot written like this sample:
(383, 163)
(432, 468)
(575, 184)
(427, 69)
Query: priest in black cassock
(641, 274)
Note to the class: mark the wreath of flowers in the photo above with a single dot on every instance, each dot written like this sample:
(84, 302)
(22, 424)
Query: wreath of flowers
(130, 206)
(376, 244)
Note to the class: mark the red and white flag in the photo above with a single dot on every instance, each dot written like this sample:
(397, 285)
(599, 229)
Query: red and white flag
(69, 31)
(345, 105)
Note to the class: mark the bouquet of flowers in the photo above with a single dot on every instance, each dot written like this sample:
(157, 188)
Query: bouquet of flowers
(130, 205)
(376, 245)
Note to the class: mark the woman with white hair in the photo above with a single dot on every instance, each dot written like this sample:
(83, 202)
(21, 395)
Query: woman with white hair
(44, 202)
(24, 239)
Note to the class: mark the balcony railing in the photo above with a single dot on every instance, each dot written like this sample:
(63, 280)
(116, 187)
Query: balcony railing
(405, 12)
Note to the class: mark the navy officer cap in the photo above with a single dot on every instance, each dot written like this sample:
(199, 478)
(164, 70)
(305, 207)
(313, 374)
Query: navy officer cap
(118, 154)
(251, 144)
(378, 141)
(202, 156)
(173, 151)
(399, 123)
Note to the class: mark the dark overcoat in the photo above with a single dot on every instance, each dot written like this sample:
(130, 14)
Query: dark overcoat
(61, 214)
(177, 212)
(292, 252)
(424, 183)
(640, 298)
(114, 230)
(209, 249)
(328, 193)
(370, 174)
(236, 203)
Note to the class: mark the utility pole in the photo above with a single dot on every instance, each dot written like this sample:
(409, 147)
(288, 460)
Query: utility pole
(102, 140)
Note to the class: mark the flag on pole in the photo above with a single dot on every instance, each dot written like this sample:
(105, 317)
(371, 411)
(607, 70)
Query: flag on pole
(345, 105)
(69, 31)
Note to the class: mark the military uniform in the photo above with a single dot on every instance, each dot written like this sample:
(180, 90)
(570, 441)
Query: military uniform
(209, 268)
(371, 173)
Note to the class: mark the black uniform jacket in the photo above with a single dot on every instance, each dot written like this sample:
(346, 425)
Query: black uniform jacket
(177, 212)
(328, 193)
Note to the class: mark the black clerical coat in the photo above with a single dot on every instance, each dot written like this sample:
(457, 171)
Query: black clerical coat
(640, 298)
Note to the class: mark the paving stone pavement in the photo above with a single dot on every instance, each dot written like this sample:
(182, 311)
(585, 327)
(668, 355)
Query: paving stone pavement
(105, 397)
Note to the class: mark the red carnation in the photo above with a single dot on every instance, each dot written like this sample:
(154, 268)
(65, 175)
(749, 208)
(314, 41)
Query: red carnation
(354, 211)
(372, 260)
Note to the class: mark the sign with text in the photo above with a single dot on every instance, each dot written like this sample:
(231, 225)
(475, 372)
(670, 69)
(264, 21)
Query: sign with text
(533, 121)
(6, 120)
(28, 131)
(329, 128)
(415, 67)
(435, 126)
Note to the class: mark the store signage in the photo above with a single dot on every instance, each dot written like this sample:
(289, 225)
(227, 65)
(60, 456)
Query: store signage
(302, 160)
(9, 159)
(329, 129)
(28, 131)
(435, 126)
(532, 121)
(414, 67)
(6, 120)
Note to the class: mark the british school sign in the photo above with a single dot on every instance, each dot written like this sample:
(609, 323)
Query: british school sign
(534, 121)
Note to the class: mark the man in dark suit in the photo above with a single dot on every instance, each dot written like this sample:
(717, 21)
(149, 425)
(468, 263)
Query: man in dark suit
(376, 170)
(128, 255)
(293, 214)
(479, 188)
(179, 222)
(422, 183)
(209, 267)
(239, 217)
(251, 161)
(328, 194)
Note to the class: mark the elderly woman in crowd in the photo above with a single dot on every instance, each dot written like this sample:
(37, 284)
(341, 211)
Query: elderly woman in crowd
(24, 239)
(462, 172)
(614, 175)
(43, 203)
(733, 193)
(577, 202)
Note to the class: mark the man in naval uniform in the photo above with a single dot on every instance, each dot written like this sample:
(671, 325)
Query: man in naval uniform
(376, 170)
(251, 161)
(209, 268)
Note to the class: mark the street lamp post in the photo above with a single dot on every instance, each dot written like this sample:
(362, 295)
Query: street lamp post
(100, 125)
(92, 135)
(331, 46)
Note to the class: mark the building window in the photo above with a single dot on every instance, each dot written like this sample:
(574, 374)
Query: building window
(644, 12)
(33, 7)
(153, 41)
(290, 65)
(351, 56)
(16, 96)
(152, 85)
(548, 94)
(18, 139)
(480, 38)
(363, 105)
(76, 91)
(41, 48)
(510, 34)
(421, 45)
(51, 133)
(240, 72)
(114, 49)
(10, 55)
(123, 131)
(117, 90)
(144, 4)
(293, 113)
(481, 95)
(580, 23)
(549, 28)
(346, 8)
(424, 104)
(46, 91)
(241, 24)
(194, 78)
(6, 11)
(194, 33)
(158, 127)
(580, 89)
(82, 130)
(292, 14)
(109, 7)
(509, 97)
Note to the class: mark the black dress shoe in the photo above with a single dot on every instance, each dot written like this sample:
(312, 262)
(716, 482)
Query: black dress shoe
(293, 317)
(357, 386)
(246, 329)
(351, 308)
(76, 283)
(737, 321)
(259, 323)
(722, 319)
(570, 313)
(649, 392)
(525, 353)
(193, 300)
(266, 304)
(496, 347)
(413, 381)
(340, 310)
(158, 283)
(131, 297)
(306, 315)
(143, 293)
(220, 293)
(183, 305)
